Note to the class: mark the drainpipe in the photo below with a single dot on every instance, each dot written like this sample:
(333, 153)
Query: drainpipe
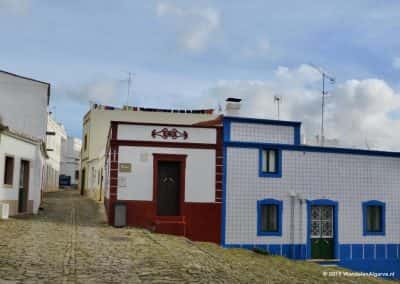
(301, 201)
(292, 205)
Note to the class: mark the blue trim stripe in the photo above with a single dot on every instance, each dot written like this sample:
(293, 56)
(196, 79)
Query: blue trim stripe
(293, 251)
(297, 135)
(224, 169)
(306, 148)
(227, 130)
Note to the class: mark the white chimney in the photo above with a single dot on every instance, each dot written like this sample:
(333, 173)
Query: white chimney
(232, 107)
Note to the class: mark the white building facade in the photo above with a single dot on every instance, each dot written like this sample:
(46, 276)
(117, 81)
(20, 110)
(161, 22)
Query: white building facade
(70, 160)
(168, 176)
(304, 202)
(23, 112)
(95, 130)
(56, 138)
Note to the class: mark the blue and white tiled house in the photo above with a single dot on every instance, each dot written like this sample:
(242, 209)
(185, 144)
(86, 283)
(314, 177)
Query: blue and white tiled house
(308, 202)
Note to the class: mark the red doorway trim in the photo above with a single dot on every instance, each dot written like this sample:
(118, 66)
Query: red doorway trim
(170, 158)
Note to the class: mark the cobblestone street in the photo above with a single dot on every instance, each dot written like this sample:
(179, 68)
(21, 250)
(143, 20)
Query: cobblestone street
(69, 242)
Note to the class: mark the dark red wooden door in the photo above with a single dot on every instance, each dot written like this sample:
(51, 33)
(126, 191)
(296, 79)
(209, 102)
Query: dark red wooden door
(168, 189)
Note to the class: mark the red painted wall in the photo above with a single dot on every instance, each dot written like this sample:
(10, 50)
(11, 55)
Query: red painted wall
(200, 221)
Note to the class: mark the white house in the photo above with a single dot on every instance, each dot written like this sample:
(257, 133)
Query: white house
(23, 112)
(95, 130)
(70, 160)
(169, 176)
(56, 138)
(326, 204)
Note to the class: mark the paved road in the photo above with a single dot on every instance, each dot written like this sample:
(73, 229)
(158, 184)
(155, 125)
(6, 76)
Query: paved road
(69, 242)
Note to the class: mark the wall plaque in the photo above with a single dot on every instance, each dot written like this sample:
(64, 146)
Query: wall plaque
(125, 167)
(166, 133)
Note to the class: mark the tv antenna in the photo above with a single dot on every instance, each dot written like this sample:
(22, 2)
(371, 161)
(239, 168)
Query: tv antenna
(277, 100)
(331, 79)
(130, 75)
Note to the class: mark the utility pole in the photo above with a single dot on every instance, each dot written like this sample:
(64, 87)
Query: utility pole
(324, 93)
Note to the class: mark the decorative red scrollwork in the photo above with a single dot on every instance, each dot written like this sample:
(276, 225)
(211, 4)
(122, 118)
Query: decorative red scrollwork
(165, 133)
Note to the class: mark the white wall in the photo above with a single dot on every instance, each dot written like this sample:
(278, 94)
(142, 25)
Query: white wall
(200, 173)
(54, 142)
(25, 151)
(70, 158)
(348, 179)
(262, 133)
(23, 105)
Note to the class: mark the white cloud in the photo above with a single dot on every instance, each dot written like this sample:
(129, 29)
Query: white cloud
(396, 63)
(98, 91)
(199, 24)
(356, 113)
(19, 7)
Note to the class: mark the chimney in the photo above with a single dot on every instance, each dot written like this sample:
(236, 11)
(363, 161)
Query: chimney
(232, 107)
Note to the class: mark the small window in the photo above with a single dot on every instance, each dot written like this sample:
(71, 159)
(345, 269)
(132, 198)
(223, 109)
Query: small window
(270, 163)
(270, 159)
(269, 217)
(76, 174)
(374, 217)
(85, 142)
(9, 170)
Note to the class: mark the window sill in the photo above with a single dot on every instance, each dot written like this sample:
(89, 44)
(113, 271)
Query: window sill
(269, 234)
(270, 175)
(374, 234)
(10, 186)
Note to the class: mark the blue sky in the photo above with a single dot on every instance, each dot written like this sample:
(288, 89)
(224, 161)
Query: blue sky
(195, 53)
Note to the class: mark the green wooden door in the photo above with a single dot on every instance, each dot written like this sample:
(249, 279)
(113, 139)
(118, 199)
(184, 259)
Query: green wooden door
(322, 232)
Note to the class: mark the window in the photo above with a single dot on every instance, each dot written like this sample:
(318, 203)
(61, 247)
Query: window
(269, 217)
(270, 163)
(76, 174)
(9, 170)
(374, 217)
(85, 142)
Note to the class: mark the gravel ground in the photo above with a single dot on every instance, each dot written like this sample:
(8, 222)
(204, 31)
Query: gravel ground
(69, 242)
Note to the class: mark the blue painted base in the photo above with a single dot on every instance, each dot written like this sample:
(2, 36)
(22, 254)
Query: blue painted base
(369, 258)
(297, 251)
(392, 267)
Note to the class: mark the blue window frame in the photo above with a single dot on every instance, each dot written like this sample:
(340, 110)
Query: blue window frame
(374, 218)
(270, 162)
(269, 217)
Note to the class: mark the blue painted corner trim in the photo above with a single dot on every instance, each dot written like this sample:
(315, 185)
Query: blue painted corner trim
(297, 135)
(278, 203)
(278, 173)
(326, 202)
(227, 130)
(383, 217)
(226, 135)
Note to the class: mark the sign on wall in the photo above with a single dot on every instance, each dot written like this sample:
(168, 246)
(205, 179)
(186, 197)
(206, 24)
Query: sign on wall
(125, 167)
(166, 133)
